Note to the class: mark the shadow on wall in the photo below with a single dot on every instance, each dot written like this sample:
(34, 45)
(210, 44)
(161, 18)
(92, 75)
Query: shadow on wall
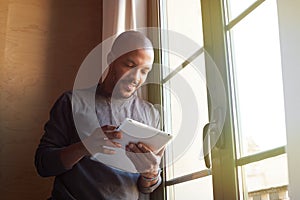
(75, 30)
(45, 43)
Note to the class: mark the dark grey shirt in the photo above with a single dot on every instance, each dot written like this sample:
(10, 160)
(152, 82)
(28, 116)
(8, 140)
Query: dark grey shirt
(88, 179)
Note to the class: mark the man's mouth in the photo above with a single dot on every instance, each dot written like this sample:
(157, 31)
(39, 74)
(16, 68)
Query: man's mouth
(130, 86)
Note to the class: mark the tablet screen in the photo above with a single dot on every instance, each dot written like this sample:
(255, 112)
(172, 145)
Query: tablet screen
(134, 131)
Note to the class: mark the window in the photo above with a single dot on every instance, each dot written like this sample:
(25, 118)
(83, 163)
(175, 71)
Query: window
(185, 100)
(242, 40)
(253, 43)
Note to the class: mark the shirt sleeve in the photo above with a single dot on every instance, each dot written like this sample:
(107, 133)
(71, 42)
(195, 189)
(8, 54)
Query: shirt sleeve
(147, 190)
(57, 135)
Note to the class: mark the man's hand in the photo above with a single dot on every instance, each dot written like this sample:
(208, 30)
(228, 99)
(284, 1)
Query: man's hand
(143, 158)
(94, 143)
(100, 141)
(146, 162)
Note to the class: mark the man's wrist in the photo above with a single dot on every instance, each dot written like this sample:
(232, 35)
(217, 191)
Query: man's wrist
(148, 180)
(81, 149)
(150, 188)
(71, 154)
(149, 177)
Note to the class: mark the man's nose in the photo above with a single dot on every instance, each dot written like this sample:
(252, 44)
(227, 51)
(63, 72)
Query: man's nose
(135, 75)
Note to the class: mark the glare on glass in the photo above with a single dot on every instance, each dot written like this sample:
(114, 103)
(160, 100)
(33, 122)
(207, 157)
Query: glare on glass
(267, 177)
(257, 65)
(178, 12)
(192, 159)
(193, 190)
(236, 7)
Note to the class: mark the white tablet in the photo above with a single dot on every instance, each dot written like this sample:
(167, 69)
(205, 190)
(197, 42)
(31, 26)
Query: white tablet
(134, 131)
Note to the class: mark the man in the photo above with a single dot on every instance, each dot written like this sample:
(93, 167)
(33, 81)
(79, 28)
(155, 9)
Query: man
(66, 148)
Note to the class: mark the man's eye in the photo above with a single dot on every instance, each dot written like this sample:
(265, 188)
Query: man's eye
(130, 65)
(144, 71)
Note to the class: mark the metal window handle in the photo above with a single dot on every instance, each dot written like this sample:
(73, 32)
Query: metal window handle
(206, 146)
(211, 134)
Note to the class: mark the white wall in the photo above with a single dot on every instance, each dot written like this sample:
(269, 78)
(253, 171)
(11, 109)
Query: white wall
(289, 24)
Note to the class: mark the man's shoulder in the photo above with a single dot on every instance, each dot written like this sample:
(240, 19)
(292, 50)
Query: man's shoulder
(76, 97)
(81, 92)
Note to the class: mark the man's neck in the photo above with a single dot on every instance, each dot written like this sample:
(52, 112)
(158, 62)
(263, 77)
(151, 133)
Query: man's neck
(107, 86)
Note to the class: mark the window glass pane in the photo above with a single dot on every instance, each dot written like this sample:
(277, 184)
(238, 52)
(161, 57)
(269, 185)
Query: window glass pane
(258, 77)
(236, 7)
(186, 157)
(188, 95)
(192, 190)
(185, 99)
(184, 17)
(267, 178)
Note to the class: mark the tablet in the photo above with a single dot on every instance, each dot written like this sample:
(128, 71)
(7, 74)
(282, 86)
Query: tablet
(134, 131)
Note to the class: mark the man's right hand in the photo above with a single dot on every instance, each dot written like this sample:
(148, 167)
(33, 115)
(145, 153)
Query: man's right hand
(98, 142)
(101, 140)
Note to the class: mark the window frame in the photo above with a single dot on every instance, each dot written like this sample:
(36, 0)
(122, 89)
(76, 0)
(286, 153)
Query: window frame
(217, 42)
(217, 51)
(240, 160)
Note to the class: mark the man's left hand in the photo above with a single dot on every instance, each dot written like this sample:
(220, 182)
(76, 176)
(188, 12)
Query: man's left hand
(144, 159)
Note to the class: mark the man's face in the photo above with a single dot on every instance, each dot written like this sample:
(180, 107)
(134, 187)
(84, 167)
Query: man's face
(131, 70)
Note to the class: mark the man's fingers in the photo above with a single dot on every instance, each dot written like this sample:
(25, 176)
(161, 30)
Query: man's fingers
(113, 134)
(144, 148)
(107, 150)
(137, 160)
(161, 152)
(148, 152)
(108, 127)
(133, 147)
(144, 159)
(144, 154)
(117, 144)
(147, 149)
(132, 155)
(110, 143)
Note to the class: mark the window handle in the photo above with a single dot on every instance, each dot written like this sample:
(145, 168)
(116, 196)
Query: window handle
(212, 135)
(206, 145)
